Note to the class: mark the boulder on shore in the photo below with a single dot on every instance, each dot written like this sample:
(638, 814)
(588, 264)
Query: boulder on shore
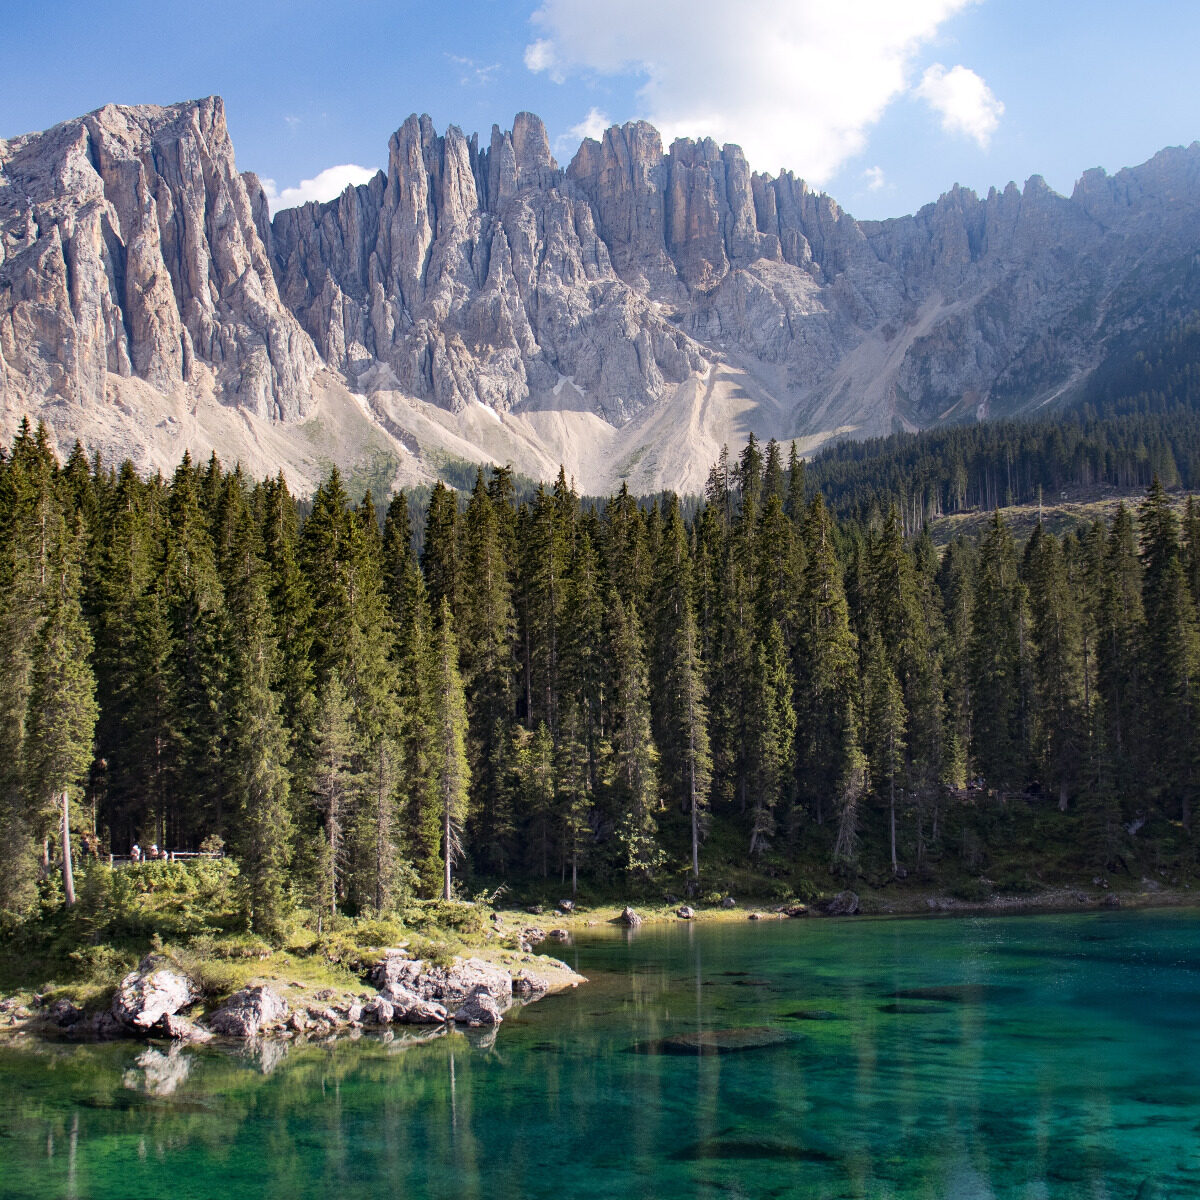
(685, 913)
(728, 902)
(479, 1008)
(64, 1014)
(150, 993)
(449, 985)
(529, 986)
(248, 1012)
(844, 904)
(629, 917)
(411, 1009)
(379, 1011)
(180, 1029)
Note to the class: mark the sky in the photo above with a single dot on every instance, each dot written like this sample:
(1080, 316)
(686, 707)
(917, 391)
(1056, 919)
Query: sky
(885, 104)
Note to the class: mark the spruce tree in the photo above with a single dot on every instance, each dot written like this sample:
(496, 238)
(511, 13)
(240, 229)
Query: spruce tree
(332, 783)
(1057, 654)
(62, 698)
(452, 772)
(440, 552)
(885, 730)
(773, 732)
(996, 660)
(257, 762)
(634, 760)
(488, 625)
(831, 767)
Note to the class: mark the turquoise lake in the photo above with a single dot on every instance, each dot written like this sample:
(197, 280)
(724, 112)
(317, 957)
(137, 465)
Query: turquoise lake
(1039, 1058)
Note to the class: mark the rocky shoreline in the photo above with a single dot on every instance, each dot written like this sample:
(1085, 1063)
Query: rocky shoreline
(159, 1000)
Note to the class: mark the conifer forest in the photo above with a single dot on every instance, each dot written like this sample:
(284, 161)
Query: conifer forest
(520, 685)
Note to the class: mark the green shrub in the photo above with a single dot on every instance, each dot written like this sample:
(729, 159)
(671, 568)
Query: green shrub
(974, 891)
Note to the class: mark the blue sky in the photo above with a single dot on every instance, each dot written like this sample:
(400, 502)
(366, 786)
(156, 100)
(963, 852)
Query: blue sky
(883, 103)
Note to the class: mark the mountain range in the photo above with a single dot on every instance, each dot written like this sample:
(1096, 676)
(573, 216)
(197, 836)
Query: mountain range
(624, 316)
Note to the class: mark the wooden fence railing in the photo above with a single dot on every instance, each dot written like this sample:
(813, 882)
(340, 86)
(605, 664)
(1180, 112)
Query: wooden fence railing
(125, 860)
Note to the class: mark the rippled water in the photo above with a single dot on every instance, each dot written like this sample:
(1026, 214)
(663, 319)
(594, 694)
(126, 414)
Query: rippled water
(1034, 1058)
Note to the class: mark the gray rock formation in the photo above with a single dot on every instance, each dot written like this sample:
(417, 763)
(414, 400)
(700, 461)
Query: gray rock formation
(475, 276)
(479, 1008)
(129, 247)
(448, 985)
(844, 904)
(249, 1012)
(628, 313)
(151, 992)
(180, 1029)
(411, 1009)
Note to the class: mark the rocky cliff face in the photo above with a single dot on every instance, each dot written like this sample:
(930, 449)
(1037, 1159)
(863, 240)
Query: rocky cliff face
(129, 247)
(490, 274)
(475, 276)
(626, 314)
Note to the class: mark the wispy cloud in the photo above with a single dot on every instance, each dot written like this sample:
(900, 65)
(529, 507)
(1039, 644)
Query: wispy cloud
(471, 72)
(331, 182)
(875, 179)
(963, 100)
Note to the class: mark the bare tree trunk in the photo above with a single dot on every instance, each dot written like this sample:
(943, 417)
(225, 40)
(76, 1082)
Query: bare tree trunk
(68, 873)
(446, 836)
(892, 819)
(695, 820)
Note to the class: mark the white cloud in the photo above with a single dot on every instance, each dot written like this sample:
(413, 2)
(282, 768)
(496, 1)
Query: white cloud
(539, 56)
(962, 99)
(874, 178)
(797, 83)
(592, 126)
(331, 182)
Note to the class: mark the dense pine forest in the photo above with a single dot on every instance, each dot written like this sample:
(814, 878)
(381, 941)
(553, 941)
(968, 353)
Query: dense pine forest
(580, 695)
(1137, 418)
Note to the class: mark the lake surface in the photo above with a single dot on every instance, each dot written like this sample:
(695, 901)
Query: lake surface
(1037, 1058)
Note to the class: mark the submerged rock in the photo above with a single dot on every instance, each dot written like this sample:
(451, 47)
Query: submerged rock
(248, 1012)
(716, 1041)
(753, 1148)
(148, 994)
(813, 1014)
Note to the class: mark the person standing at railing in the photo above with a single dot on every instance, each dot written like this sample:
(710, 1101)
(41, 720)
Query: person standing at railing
(135, 853)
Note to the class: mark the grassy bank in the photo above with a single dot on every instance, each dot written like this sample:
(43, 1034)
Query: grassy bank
(193, 915)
